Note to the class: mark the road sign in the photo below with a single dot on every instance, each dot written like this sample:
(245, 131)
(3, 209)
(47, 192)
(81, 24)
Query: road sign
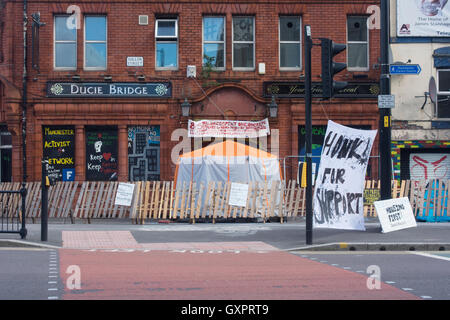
(386, 101)
(404, 69)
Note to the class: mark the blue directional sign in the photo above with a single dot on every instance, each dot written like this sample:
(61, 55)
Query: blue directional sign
(404, 69)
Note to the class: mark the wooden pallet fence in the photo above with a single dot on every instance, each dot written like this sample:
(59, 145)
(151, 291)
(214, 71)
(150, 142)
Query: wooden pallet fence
(160, 200)
(96, 200)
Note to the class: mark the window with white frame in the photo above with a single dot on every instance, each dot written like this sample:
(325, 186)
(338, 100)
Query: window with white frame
(443, 94)
(244, 43)
(95, 43)
(214, 41)
(166, 34)
(290, 42)
(357, 43)
(65, 44)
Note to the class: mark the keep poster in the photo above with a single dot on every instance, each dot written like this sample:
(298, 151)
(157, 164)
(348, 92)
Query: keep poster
(59, 149)
(101, 154)
(338, 196)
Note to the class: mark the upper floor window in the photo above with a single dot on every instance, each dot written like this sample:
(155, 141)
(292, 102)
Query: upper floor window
(95, 43)
(243, 43)
(443, 96)
(357, 43)
(166, 34)
(214, 41)
(65, 44)
(290, 37)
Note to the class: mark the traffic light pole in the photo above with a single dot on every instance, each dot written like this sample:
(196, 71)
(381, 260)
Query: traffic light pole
(44, 202)
(308, 135)
(385, 113)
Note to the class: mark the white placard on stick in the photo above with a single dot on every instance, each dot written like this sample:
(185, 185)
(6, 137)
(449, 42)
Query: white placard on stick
(124, 194)
(238, 194)
(395, 214)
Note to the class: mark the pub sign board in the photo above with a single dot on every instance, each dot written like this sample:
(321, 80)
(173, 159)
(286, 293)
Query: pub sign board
(361, 90)
(101, 153)
(59, 150)
(109, 89)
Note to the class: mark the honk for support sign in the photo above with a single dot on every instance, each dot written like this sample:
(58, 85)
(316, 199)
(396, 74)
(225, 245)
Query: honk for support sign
(338, 196)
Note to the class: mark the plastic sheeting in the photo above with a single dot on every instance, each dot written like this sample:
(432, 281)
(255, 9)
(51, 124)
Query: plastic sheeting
(234, 169)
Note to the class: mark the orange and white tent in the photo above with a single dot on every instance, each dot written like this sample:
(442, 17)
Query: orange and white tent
(227, 161)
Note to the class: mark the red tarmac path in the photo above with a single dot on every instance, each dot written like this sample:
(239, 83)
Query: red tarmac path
(204, 271)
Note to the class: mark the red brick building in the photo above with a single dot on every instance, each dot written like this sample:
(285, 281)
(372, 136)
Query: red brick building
(116, 72)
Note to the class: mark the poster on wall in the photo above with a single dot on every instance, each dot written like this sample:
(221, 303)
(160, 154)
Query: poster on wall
(338, 196)
(423, 18)
(59, 149)
(101, 154)
(144, 153)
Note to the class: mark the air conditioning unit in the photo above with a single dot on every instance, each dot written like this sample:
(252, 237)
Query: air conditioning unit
(143, 20)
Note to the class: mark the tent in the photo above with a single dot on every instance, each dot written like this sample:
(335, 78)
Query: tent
(227, 161)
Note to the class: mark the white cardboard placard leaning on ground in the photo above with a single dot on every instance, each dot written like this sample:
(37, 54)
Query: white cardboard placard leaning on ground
(238, 194)
(124, 194)
(395, 214)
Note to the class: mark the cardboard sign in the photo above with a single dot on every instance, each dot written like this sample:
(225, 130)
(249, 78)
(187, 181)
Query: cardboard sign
(338, 196)
(238, 194)
(124, 194)
(395, 214)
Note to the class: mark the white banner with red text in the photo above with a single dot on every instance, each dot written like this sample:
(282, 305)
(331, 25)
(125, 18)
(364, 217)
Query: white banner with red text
(228, 129)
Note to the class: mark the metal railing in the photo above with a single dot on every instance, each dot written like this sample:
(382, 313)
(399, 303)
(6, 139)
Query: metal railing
(12, 212)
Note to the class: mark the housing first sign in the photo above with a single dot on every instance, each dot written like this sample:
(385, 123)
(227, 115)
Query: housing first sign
(338, 196)
(395, 214)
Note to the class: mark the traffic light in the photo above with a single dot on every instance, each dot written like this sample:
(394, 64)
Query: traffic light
(330, 68)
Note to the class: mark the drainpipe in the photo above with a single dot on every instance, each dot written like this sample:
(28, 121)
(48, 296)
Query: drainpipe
(24, 94)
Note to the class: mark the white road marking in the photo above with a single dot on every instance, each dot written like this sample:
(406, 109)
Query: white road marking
(431, 256)
(426, 297)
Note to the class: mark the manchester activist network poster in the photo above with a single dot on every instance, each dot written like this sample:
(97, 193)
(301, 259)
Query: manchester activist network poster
(338, 196)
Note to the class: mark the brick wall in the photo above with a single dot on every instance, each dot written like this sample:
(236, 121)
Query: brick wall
(127, 38)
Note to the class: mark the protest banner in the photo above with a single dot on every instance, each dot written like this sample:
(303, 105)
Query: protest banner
(338, 196)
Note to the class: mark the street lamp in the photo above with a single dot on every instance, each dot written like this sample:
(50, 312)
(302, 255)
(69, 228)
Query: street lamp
(185, 108)
(273, 108)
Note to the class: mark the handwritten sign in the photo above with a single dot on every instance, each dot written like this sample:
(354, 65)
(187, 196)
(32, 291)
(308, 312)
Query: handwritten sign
(370, 196)
(238, 194)
(124, 194)
(395, 214)
(59, 149)
(338, 196)
(228, 129)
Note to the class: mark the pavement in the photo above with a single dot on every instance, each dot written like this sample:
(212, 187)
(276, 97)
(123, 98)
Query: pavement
(124, 234)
